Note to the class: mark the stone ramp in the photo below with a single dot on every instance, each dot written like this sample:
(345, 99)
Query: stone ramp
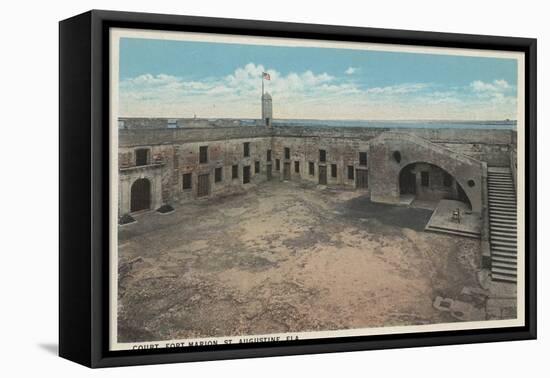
(502, 224)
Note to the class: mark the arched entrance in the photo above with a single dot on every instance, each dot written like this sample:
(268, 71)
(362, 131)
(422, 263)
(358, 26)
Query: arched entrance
(140, 195)
(429, 182)
(407, 180)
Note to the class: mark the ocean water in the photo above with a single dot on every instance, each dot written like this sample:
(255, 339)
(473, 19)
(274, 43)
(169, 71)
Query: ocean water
(482, 125)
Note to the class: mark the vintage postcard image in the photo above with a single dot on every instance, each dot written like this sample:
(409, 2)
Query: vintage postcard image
(269, 189)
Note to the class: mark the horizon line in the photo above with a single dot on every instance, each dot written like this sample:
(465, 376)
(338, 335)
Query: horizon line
(330, 119)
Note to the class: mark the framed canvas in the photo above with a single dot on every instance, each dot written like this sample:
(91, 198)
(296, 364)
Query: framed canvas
(235, 188)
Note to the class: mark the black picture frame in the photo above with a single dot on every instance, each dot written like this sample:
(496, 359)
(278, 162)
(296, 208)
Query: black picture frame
(84, 186)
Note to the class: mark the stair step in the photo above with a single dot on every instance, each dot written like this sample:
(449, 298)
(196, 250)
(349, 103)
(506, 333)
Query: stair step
(493, 189)
(510, 234)
(497, 183)
(507, 223)
(502, 215)
(510, 192)
(502, 192)
(501, 255)
(503, 231)
(503, 243)
(503, 278)
(501, 189)
(506, 199)
(504, 272)
(504, 235)
(509, 256)
(503, 210)
(503, 248)
(512, 200)
(502, 205)
(502, 196)
(494, 223)
(509, 200)
(503, 218)
(506, 259)
(499, 245)
(504, 223)
(505, 265)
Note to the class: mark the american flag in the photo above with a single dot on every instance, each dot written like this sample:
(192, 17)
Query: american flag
(266, 76)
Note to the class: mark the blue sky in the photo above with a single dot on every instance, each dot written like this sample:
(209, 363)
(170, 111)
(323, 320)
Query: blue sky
(181, 78)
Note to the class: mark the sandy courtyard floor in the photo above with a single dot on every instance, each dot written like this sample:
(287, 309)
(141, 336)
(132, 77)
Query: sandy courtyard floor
(286, 258)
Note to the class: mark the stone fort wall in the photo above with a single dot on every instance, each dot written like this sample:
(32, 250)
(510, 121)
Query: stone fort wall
(174, 152)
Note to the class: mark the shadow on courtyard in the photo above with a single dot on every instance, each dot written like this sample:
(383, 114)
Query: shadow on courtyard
(362, 208)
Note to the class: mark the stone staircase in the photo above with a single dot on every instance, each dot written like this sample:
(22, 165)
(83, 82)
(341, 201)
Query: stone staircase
(502, 224)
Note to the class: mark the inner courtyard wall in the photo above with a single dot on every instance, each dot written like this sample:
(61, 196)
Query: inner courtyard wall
(342, 152)
(175, 151)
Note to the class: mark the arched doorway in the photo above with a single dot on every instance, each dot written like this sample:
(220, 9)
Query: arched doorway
(429, 182)
(140, 195)
(407, 180)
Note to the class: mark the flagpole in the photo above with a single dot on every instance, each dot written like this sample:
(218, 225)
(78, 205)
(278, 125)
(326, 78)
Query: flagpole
(262, 85)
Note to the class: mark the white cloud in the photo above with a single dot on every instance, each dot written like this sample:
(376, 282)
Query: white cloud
(495, 93)
(350, 70)
(310, 94)
(399, 89)
(495, 86)
(243, 84)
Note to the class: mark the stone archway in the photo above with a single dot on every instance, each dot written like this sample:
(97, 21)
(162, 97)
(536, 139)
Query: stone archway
(140, 196)
(429, 181)
(391, 151)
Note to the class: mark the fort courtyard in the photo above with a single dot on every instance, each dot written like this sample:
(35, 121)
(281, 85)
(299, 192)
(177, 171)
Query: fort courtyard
(295, 257)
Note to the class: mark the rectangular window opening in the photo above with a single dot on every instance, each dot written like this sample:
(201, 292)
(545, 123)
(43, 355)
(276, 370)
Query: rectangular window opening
(333, 170)
(322, 156)
(203, 154)
(142, 156)
(425, 178)
(363, 158)
(246, 174)
(186, 181)
(351, 172)
(218, 174)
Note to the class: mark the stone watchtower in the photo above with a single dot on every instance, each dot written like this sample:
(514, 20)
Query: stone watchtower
(267, 109)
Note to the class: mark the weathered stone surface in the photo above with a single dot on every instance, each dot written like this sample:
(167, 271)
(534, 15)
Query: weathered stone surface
(175, 151)
(384, 176)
